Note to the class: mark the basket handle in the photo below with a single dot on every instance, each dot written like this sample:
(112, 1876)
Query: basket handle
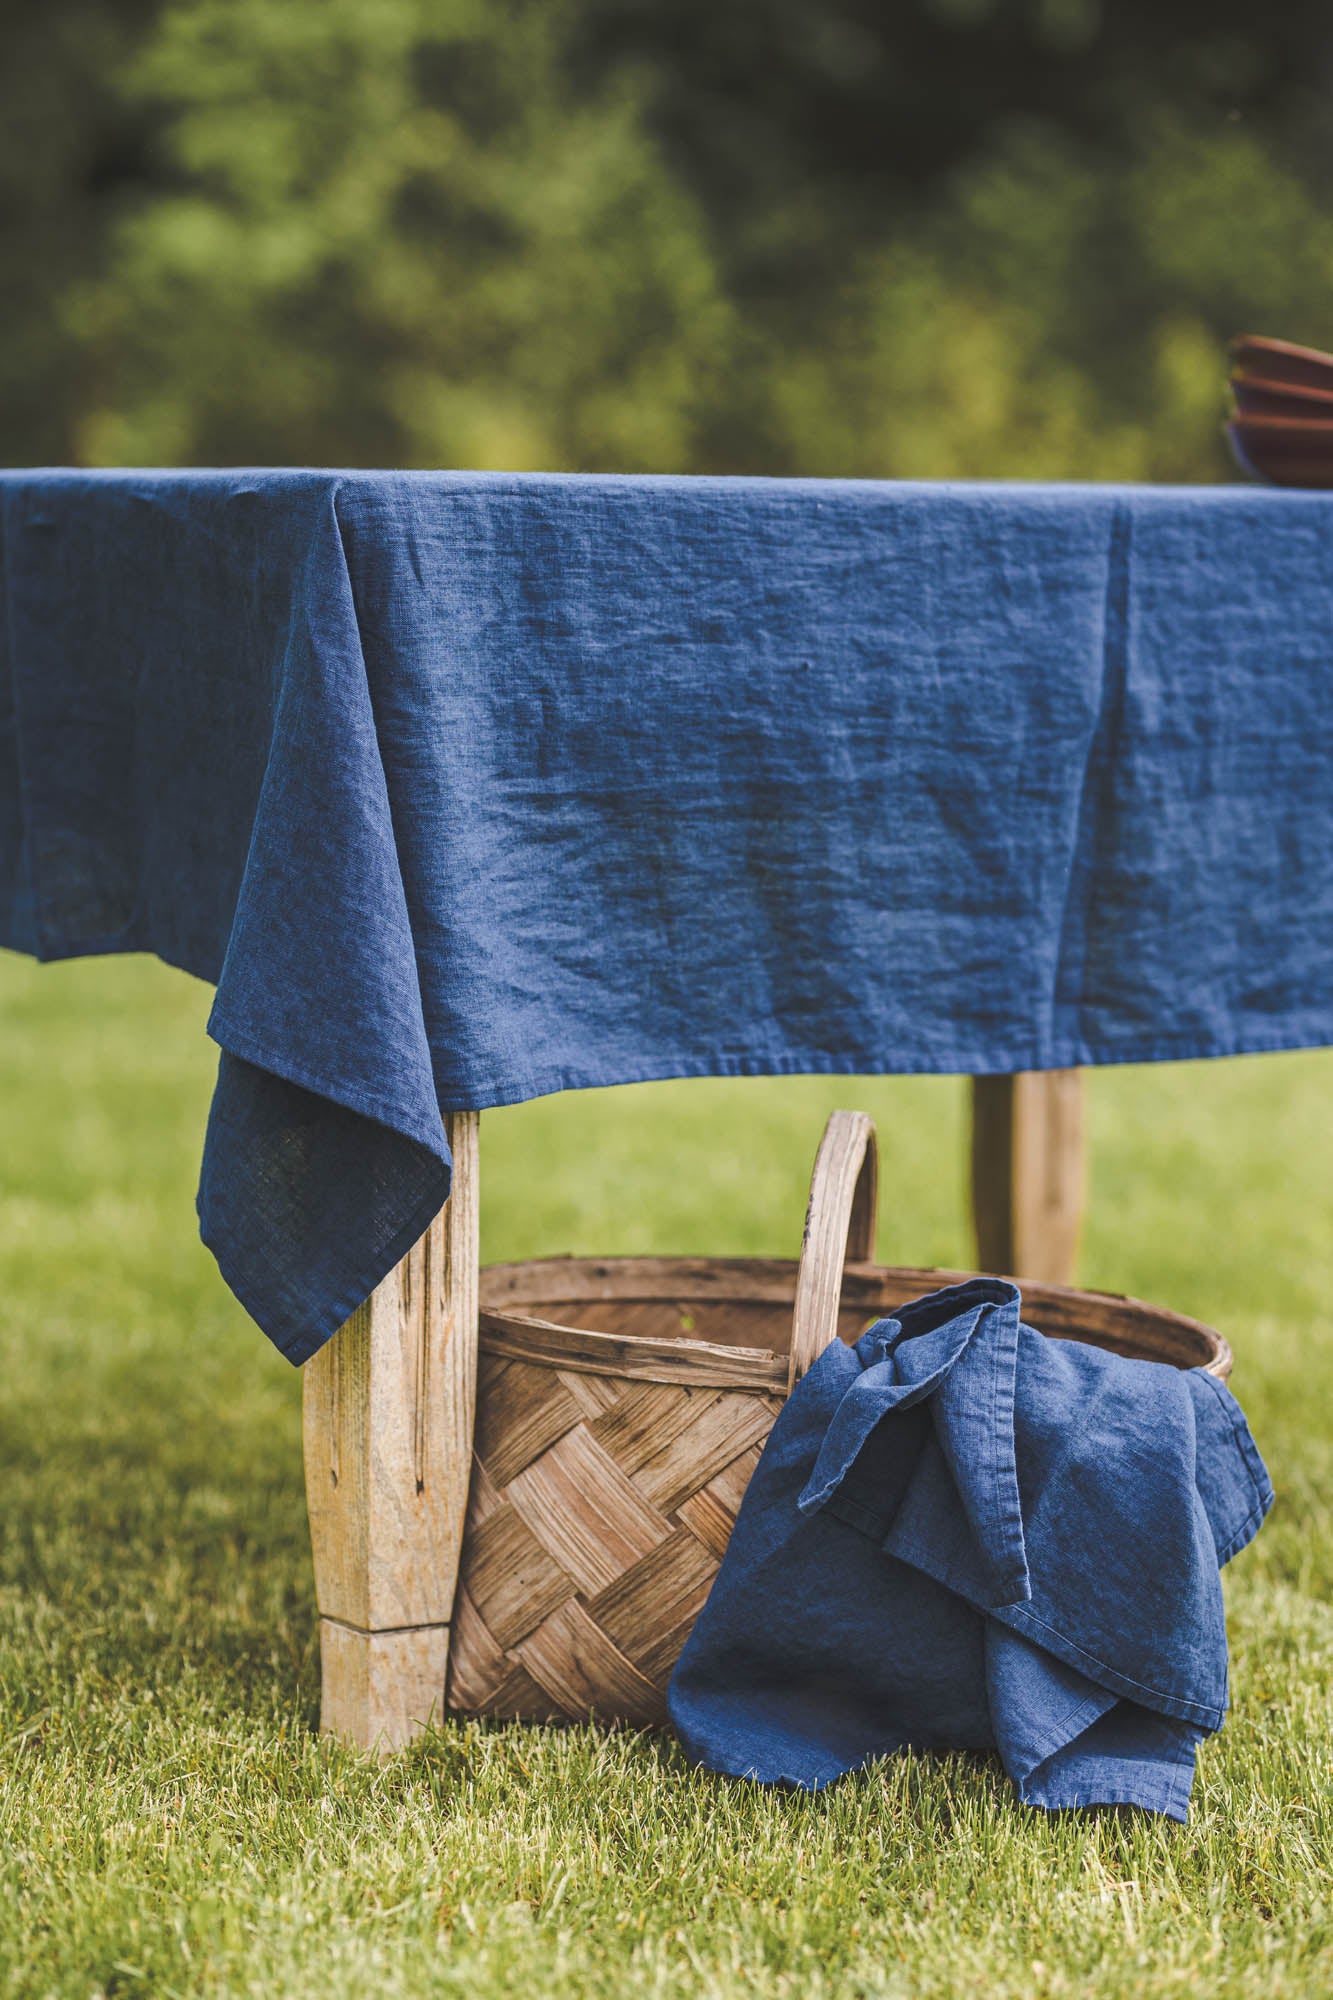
(839, 1230)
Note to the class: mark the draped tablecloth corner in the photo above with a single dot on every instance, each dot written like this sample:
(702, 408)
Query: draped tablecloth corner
(463, 788)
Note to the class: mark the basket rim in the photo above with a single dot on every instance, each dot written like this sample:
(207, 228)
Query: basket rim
(510, 1332)
(582, 1351)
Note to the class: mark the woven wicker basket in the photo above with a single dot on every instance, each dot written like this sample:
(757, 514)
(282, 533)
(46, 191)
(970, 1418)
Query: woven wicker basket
(622, 1406)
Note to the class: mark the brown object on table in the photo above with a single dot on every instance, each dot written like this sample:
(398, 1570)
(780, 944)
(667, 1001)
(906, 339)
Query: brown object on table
(1286, 451)
(622, 1406)
(1280, 365)
(1261, 399)
(1282, 429)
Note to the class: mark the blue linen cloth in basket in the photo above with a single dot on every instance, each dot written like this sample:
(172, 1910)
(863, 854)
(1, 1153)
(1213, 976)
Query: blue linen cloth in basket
(963, 1535)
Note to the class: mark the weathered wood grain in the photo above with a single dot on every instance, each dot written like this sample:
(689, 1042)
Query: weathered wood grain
(568, 1348)
(388, 1420)
(1028, 1172)
(381, 1689)
(839, 1227)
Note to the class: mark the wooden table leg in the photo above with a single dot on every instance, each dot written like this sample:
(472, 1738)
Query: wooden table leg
(1028, 1172)
(388, 1414)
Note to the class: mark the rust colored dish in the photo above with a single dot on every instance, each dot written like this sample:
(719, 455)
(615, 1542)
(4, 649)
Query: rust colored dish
(1290, 437)
(1280, 364)
(1284, 454)
(1271, 399)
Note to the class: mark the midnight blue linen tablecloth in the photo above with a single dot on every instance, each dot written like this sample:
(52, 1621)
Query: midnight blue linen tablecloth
(964, 1536)
(465, 788)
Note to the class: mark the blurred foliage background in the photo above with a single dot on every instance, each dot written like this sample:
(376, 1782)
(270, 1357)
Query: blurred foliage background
(918, 237)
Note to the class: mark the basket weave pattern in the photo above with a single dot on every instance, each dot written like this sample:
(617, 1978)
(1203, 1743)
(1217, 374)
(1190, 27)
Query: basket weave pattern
(622, 1404)
(600, 1509)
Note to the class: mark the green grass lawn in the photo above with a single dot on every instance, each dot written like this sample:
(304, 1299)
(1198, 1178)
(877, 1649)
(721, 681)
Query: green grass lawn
(171, 1824)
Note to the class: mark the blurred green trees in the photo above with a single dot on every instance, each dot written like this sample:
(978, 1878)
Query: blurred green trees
(913, 238)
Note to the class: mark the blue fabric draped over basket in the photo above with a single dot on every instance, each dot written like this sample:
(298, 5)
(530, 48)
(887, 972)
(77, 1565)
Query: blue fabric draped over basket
(464, 788)
(965, 1536)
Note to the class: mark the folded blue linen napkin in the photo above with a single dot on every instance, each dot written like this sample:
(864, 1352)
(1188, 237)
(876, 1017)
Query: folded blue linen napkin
(963, 1535)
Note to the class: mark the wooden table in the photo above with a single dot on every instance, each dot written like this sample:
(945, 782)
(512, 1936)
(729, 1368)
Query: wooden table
(390, 1401)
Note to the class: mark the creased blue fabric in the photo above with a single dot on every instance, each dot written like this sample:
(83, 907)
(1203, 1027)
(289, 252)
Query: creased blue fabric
(465, 788)
(964, 1536)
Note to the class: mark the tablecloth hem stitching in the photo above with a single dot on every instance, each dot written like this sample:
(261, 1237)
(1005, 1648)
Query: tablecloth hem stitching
(1255, 1468)
(483, 1096)
(1179, 1706)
